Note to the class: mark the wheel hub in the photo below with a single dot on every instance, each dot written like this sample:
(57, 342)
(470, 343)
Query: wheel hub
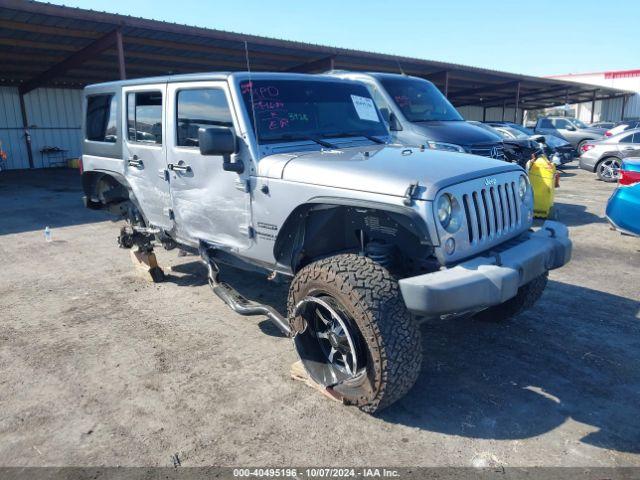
(327, 346)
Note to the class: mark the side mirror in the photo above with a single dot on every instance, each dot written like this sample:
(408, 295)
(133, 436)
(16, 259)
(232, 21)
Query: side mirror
(217, 141)
(394, 123)
(538, 139)
(571, 128)
(220, 141)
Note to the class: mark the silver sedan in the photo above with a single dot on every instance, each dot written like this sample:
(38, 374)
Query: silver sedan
(605, 156)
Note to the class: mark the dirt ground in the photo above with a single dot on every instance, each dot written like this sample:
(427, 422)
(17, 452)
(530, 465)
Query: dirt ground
(99, 367)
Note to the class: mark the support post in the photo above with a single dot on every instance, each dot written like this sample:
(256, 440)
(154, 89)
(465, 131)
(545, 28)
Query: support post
(515, 111)
(446, 83)
(593, 105)
(25, 125)
(484, 114)
(120, 48)
(503, 107)
(566, 102)
(624, 106)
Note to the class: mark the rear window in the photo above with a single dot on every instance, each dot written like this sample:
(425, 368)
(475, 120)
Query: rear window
(101, 118)
(144, 117)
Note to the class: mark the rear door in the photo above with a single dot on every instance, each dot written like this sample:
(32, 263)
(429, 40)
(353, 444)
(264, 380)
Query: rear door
(208, 202)
(145, 152)
(629, 146)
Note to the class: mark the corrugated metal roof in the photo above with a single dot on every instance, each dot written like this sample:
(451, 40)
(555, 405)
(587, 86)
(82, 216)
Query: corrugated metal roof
(35, 36)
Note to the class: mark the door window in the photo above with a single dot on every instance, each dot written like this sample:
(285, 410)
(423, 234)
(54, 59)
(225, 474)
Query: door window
(561, 124)
(101, 118)
(545, 123)
(144, 117)
(197, 108)
(627, 139)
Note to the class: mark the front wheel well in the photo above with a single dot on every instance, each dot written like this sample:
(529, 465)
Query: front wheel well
(394, 238)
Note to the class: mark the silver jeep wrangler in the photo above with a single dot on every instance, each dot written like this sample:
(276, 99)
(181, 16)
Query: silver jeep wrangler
(294, 176)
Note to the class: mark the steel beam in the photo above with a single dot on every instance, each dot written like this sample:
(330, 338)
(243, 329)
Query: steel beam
(484, 89)
(515, 113)
(319, 65)
(25, 125)
(90, 51)
(120, 48)
(446, 83)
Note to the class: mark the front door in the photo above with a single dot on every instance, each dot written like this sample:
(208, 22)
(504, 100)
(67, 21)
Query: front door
(208, 202)
(145, 152)
(567, 130)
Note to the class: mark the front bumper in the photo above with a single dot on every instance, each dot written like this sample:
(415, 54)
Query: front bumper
(490, 279)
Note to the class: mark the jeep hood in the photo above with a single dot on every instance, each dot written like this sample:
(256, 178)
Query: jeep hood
(387, 170)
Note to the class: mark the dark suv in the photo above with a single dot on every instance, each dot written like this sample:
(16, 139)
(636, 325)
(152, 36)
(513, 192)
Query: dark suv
(419, 114)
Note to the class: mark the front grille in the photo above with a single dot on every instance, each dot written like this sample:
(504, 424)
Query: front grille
(492, 212)
(495, 150)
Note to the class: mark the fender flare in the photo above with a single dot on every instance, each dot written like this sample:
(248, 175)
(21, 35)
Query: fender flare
(291, 232)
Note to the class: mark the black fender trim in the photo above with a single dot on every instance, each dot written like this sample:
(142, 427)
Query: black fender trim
(292, 233)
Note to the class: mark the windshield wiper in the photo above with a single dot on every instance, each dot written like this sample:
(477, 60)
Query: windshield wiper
(354, 134)
(303, 137)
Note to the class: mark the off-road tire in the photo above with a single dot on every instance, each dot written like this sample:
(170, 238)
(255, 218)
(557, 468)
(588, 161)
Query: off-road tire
(526, 297)
(390, 334)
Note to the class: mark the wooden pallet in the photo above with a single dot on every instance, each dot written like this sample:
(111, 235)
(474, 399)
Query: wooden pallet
(146, 265)
(299, 373)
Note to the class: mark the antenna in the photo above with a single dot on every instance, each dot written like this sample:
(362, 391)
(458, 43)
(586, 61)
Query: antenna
(253, 108)
(400, 67)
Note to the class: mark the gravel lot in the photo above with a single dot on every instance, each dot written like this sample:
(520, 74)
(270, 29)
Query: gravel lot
(99, 367)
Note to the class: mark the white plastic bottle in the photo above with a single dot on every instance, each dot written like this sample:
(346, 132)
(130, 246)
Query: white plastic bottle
(47, 234)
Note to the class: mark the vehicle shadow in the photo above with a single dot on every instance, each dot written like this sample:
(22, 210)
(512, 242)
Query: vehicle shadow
(251, 285)
(575, 355)
(574, 215)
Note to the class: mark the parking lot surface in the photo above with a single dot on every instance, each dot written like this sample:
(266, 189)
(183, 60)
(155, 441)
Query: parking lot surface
(100, 367)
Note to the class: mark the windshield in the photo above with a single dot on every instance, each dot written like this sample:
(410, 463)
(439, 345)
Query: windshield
(526, 130)
(515, 133)
(287, 110)
(419, 100)
(554, 141)
(578, 123)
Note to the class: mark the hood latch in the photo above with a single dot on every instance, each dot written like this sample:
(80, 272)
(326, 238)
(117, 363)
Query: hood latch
(408, 195)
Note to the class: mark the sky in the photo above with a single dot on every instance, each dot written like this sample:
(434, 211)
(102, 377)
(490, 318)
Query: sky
(539, 37)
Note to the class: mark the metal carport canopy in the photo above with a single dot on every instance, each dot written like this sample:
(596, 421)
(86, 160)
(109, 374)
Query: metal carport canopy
(49, 45)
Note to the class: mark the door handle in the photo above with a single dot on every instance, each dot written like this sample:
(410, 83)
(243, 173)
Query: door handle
(177, 167)
(135, 162)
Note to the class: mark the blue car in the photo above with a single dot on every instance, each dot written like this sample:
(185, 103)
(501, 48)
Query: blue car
(623, 209)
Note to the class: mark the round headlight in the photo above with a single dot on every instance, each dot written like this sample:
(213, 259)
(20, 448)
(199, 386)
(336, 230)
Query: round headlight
(523, 186)
(444, 210)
